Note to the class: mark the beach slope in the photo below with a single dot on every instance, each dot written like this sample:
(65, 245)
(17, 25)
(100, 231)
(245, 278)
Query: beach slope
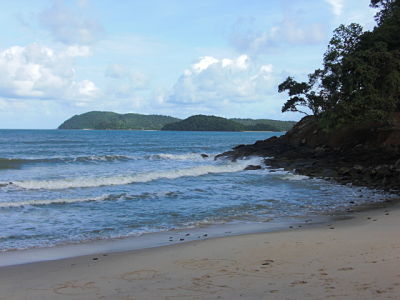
(348, 259)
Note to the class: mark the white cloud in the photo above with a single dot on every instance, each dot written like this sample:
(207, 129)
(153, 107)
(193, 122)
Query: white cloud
(39, 72)
(337, 6)
(289, 32)
(212, 82)
(125, 86)
(68, 26)
(204, 63)
(124, 82)
(116, 71)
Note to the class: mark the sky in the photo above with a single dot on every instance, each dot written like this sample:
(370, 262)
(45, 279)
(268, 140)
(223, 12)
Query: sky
(176, 57)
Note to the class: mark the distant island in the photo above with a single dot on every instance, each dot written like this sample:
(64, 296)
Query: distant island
(102, 120)
(110, 120)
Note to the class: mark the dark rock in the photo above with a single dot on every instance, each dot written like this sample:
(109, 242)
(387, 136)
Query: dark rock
(329, 173)
(355, 155)
(344, 171)
(252, 167)
(204, 156)
(397, 164)
(383, 170)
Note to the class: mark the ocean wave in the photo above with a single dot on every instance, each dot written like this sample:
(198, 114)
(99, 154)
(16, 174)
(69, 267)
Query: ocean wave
(54, 201)
(14, 163)
(87, 182)
(294, 177)
(185, 156)
(9, 163)
(109, 197)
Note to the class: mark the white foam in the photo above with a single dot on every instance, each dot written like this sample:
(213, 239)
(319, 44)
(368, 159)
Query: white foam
(50, 201)
(87, 182)
(186, 156)
(294, 177)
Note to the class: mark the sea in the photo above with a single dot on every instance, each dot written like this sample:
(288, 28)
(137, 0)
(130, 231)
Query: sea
(64, 187)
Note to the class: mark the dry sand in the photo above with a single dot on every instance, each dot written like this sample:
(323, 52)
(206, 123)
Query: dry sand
(352, 259)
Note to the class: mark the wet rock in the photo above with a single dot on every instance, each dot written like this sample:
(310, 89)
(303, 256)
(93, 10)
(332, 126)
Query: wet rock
(383, 171)
(204, 156)
(397, 164)
(344, 171)
(349, 156)
(252, 167)
(329, 173)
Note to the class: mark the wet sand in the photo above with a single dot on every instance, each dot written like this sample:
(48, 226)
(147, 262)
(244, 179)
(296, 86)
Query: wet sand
(348, 259)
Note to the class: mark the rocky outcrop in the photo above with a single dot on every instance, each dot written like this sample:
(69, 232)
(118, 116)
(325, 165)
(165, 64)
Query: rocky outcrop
(366, 155)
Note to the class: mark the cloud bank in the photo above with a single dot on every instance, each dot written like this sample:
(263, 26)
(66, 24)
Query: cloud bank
(288, 33)
(337, 6)
(70, 26)
(211, 82)
(40, 72)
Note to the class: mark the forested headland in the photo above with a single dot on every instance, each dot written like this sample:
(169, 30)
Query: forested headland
(102, 120)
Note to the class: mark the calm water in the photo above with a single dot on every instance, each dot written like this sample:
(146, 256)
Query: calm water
(61, 187)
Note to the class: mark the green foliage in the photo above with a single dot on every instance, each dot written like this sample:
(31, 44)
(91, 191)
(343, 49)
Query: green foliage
(213, 123)
(360, 78)
(323, 89)
(265, 124)
(111, 120)
(386, 9)
(205, 123)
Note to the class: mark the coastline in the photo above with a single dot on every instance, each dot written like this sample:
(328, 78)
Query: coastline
(354, 258)
(150, 240)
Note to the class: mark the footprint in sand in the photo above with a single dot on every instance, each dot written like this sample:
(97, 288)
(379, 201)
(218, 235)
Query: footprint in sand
(346, 269)
(126, 298)
(298, 282)
(192, 297)
(140, 275)
(206, 264)
(267, 262)
(206, 283)
(75, 288)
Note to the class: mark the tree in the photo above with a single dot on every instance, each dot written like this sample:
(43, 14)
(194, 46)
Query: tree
(386, 9)
(323, 89)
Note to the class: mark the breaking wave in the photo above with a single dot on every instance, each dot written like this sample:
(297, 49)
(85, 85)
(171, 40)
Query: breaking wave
(15, 163)
(186, 156)
(52, 201)
(80, 182)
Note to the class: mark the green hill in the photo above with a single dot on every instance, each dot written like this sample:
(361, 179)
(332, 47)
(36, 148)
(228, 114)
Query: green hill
(212, 123)
(111, 120)
(205, 123)
(265, 124)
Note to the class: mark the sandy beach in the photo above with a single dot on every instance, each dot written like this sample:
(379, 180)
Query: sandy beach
(348, 259)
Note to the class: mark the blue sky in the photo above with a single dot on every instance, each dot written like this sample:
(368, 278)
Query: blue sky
(175, 57)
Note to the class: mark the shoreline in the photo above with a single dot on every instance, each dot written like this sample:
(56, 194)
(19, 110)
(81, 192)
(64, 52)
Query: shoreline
(355, 258)
(151, 240)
